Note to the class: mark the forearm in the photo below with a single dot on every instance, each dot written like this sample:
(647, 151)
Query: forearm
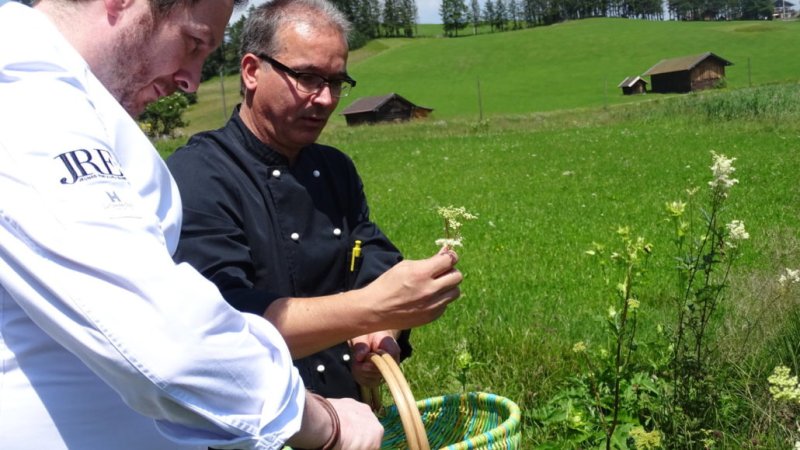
(408, 295)
(309, 325)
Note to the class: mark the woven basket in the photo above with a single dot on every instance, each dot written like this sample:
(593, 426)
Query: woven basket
(471, 421)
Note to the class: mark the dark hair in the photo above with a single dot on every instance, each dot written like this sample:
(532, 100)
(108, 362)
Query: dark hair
(262, 23)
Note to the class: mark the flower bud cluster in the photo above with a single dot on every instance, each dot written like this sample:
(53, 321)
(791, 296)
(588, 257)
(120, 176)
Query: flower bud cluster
(722, 168)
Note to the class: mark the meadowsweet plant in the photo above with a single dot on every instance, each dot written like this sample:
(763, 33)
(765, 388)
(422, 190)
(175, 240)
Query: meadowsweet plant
(646, 440)
(606, 405)
(706, 248)
(783, 386)
(789, 278)
(453, 217)
(612, 370)
(668, 398)
(785, 391)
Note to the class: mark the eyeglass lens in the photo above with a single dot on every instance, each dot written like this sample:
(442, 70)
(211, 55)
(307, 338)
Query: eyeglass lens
(311, 83)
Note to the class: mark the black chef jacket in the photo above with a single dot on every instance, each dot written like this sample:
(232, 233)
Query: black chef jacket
(261, 229)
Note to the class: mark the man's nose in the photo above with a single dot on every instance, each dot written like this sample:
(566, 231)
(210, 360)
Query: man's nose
(187, 78)
(325, 95)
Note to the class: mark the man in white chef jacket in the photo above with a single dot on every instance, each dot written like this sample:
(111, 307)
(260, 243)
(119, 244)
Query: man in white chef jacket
(105, 343)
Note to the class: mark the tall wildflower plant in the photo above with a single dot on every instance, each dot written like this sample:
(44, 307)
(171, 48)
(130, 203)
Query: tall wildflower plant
(625, 398)
(608, 404)
(614, 378)
(706, 248)
(783, 386)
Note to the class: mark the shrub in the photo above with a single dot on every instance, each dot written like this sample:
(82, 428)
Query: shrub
(163, 117)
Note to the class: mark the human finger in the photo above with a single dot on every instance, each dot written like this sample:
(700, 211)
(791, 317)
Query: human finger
(448, 279)
(442, 300)
(439, 263)
(448, 251)
(360, 351)
(389, 345)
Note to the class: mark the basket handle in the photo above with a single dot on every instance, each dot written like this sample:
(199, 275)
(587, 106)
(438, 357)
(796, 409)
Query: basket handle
(410, 417)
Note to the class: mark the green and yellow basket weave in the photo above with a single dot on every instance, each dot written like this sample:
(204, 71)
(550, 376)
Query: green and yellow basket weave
(470, 421)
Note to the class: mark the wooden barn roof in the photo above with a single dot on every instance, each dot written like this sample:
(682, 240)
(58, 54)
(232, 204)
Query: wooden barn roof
(367, 104)
(683, 63)
(630, 81)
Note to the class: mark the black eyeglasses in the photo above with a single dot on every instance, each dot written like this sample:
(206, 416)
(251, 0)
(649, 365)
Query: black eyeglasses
(311, 83)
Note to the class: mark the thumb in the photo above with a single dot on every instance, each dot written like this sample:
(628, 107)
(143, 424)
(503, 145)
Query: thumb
(441, 262)
(360, 351)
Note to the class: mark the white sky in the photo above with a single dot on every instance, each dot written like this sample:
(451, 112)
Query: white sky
(428, 10)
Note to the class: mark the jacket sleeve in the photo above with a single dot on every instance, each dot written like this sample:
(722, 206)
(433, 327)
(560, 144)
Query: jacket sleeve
(88, 263)
(378, 253)
(213, 239)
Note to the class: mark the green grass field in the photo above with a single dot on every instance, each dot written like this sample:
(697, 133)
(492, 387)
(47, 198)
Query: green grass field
(562, 160)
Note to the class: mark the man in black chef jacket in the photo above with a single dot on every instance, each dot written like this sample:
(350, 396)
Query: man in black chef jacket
(281, 224)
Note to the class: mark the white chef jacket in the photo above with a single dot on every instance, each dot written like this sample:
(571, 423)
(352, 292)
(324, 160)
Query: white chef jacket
(105, 343)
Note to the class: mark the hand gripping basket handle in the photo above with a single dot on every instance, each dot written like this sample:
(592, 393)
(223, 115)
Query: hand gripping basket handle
(410, 417)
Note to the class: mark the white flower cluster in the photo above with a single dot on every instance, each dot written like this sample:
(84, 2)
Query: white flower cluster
(646, 440)
(452, 225)
(451, 215)
(676, 208)
(722, 168)
(790, 277)
(784, 386)
(736, 233)
(445, 242)
(579, 347)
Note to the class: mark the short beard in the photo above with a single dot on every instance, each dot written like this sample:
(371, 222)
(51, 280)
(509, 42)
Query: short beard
(128, 69)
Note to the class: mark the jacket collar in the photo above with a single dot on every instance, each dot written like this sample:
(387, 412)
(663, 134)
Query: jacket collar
(253, 144)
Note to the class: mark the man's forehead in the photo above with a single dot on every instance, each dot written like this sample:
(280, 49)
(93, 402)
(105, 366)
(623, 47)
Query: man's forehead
(206, 17)
(295, 36)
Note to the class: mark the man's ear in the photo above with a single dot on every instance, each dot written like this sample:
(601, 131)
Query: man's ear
(115, 7)
(250, 68)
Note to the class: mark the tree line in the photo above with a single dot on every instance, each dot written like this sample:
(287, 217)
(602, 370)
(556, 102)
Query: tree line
(502, 15)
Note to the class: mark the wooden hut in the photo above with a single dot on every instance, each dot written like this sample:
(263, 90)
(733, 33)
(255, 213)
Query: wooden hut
(383, 108)
(687, 73)
(784, 9)
(633, 85)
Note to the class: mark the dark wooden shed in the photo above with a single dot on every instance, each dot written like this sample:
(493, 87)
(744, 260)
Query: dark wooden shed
(633, 85)
(687, 73)
(783, 9)
(383, 108)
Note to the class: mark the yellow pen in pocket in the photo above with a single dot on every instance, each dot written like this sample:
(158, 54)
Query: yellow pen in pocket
(355, 254)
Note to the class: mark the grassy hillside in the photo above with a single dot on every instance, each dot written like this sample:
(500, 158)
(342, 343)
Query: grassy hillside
(570, 65)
